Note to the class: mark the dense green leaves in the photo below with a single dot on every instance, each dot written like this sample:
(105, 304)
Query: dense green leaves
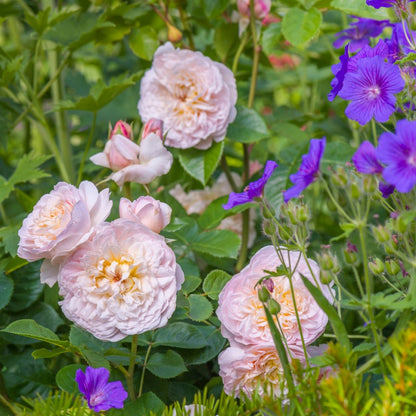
(180, 335)
(168, 364)
(6, 290)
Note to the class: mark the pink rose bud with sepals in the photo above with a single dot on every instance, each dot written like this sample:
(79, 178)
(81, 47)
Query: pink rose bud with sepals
(155, 126)
(123, 129)
(147, 211)
(261, 8)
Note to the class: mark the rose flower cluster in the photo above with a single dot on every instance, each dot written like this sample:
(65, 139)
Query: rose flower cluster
(252, 362)
(116, 278)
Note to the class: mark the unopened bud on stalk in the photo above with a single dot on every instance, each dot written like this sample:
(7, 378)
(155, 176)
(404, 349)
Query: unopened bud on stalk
(263, 294)
(174, 34)
(268, 227)
(340, 177)
(390, 247)
(392, 267)
(326, 261)
(303, 213)
(370, 184)
(269, 285)
(400, 224)
(350, 253)
(376, 266)
(268, 213)
(122, 128)
(381, 234)
(273, 306)
(326, 277)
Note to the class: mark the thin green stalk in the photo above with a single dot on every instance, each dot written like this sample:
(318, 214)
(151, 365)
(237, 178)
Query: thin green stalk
(374, 131)
(132, 364)
(226, 170)
(87, 148)
(335, 202)
(144, 369)
(239, 52)
(369, 285)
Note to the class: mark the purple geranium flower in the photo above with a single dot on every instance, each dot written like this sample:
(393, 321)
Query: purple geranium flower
(254, 189)
(365, 160)
(360, 32)
(398, 153)
(399, 45)
(308, 170)
(387, 3)
(99, 393)
(339, 70)
(371, 90)
(386, 189)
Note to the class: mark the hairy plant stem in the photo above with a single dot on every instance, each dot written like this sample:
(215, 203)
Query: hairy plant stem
(132, 364)
(144, 369)
(87, 148)
(369, 285)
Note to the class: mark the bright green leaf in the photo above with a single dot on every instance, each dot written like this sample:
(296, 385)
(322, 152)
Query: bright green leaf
(224, 39)
(200, 308)
(144, 42)
(360, 8)
(45, 353)
(201, 164)
(271, 38)
(214, 283)
(217, 243)
(31, 329)
(10, 238)
(248, 126)
(300, 27)
(167, 364)
(146, 403)
(65, 377)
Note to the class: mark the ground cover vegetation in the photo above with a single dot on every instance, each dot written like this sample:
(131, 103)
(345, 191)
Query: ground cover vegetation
(207, 207)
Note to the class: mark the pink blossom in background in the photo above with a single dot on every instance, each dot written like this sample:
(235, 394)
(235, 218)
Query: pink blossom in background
(257, 367)
(241, 313)
(194, 97)
(147, 211)
(261, 8)
(59, 222)
(123, 281)
(133, 163)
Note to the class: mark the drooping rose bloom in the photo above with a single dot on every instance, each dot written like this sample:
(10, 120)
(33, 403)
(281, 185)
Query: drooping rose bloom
(241, 313)
(193, 96)
(133, 163)
(254, 368)
(196, 201)
(59, 222)
(147, 211)
(122, 281)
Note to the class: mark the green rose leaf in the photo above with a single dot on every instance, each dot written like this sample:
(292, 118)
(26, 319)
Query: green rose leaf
(144, 42)
(146, 403)
(65, 377)
(200, 164)
(179, 335)
(6, 290)
(248, 126)
(167, 364)
(214, 283)
(301, 26)
(200, 307)
(217, 243)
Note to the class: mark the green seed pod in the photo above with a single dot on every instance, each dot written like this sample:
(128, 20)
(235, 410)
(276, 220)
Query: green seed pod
(273, 306)
(263, 294)
(376, 266)
(326, 277)
(390, 247)
(369, 184)
(381, 234)
(326, 261)
(400, 225)
(268, 227)
(350, 256)
(303, 213)
(392, 267)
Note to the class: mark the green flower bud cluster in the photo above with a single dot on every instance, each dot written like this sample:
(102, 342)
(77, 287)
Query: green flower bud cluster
(391, 266)
(329, 266)
(294, 221)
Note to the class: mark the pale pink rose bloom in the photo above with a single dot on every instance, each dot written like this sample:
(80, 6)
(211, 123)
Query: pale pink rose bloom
(134, 163)
(122, 281)
(254, 368)
(59, 222)
(261, 8)
(193, 95)
(153, 126)
(241, 313)
(147, 211)
(196, 202)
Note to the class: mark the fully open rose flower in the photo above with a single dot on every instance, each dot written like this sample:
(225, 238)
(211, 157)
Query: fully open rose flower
(254, 368)
(123, 281)
(193, 96)
(241, 313)
(147, 211)
(133, 163)
(59, 222)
